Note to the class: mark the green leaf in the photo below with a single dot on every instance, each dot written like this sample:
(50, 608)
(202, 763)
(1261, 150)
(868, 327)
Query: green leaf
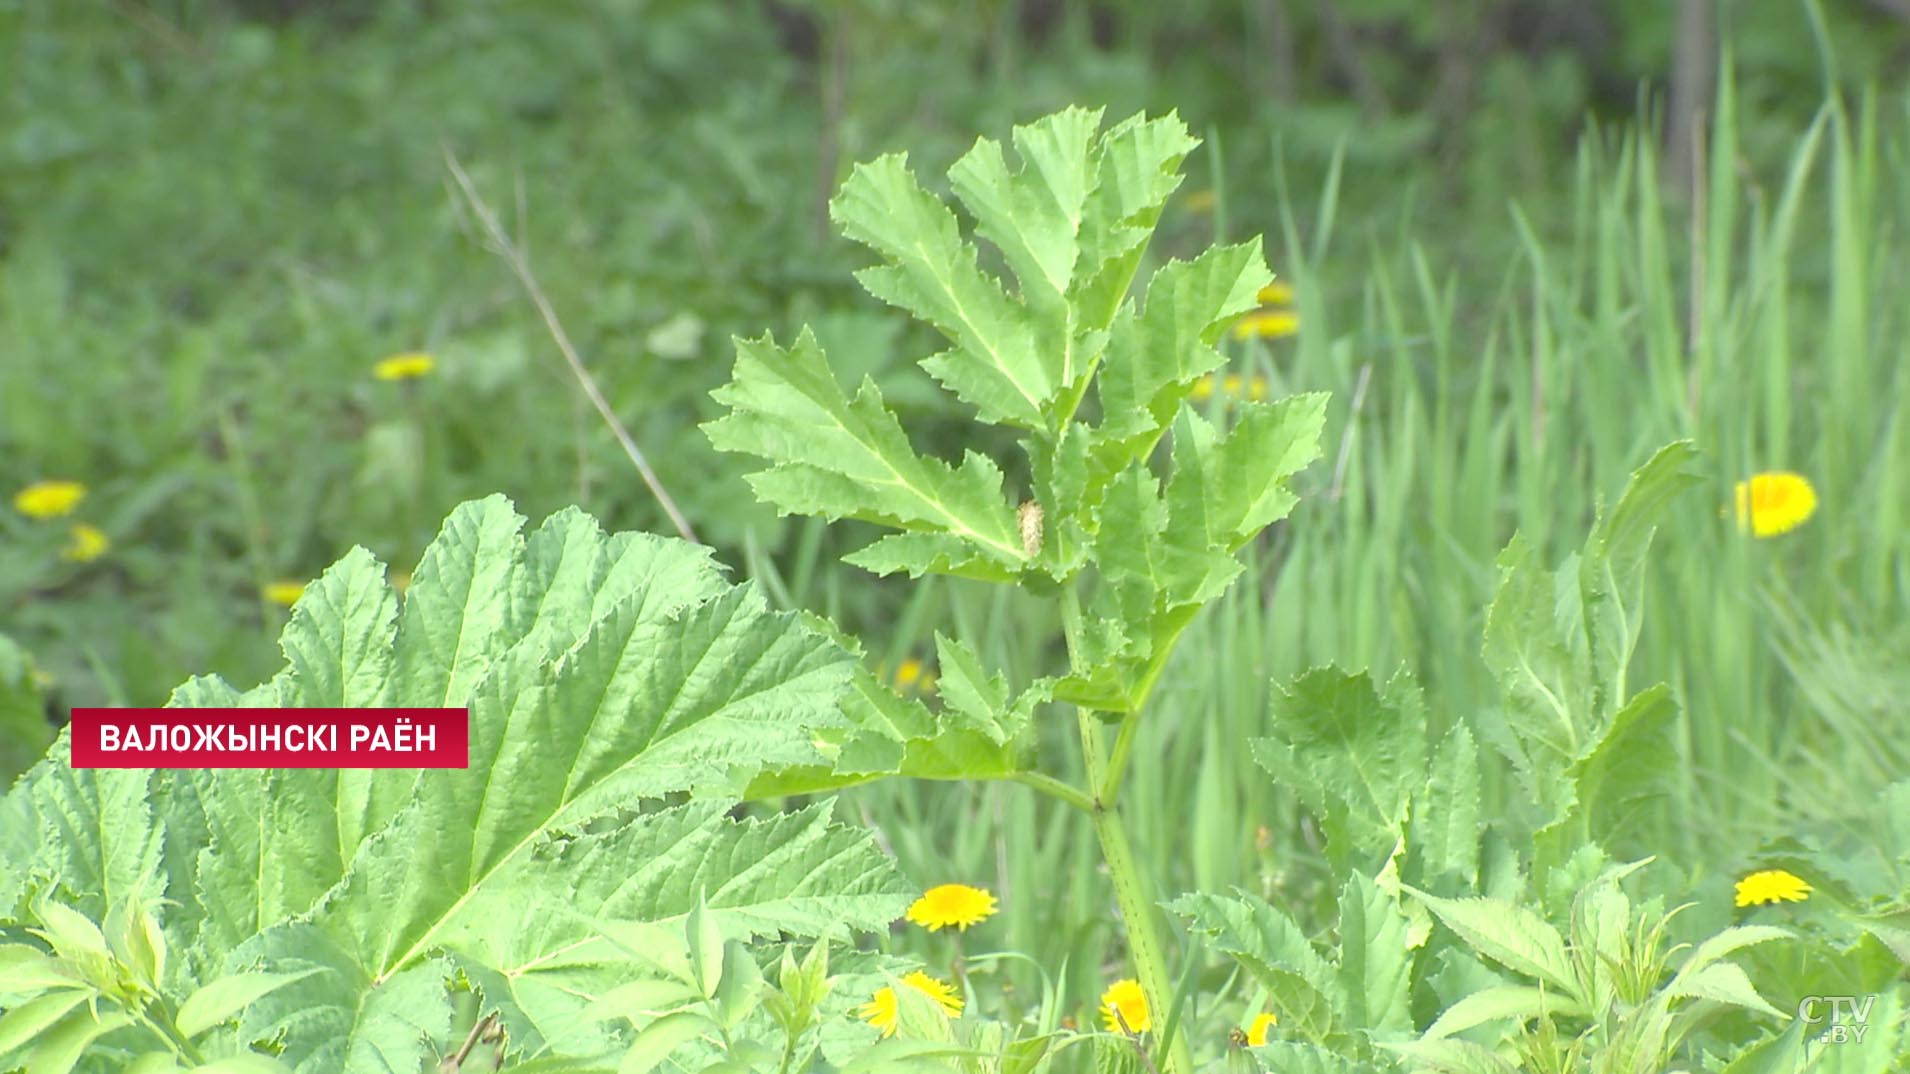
(244, 1063)
(997, 364)
(1298, 1057)
(26, 1022)
(1443, 833)
(1612, 790)
(1229, 488)
(602, 673)
(1135, 176)
(71, 933)
(1723, 943)
(1303, 986)
(1559, 641)
(980, 733)
(1451, 1057)
(1355, 758)
(657, 1040)
(850, 459)
(1612, 570)
(1510, 935)
(706, 948)
(1154, 355)
(25, 969)
(1375, 966)
(1722, 982)
(226, 997)
(1533, 645)
(1520, 1003)
(742, 985)
(1033, 215)
(94, 829)
(58, 1050)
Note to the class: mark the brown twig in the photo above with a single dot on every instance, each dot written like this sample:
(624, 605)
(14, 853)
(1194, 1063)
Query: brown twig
(1692, 80)
(520, 266)
(486, 1029)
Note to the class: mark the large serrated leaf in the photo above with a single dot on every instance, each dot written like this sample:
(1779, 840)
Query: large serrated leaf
(1559, 641)
(1154, 354)
(602, 673)
(1443, 834)
(997, 364)
(1135, 176)
(1510, 935)
(850, 459)
(1303, 986)
(1354, 757)
(1375, 965)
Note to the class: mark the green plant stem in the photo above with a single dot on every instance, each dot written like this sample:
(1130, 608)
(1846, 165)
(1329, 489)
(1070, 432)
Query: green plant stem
(1109, 789)
(1055, 788)
(165, 1030)
(1139, 915)
(1130, 884)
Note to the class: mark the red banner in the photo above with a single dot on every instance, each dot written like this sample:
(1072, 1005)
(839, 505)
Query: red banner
(271, 738)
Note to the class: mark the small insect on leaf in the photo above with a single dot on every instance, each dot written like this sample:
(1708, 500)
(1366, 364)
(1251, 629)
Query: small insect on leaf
(1029, 515)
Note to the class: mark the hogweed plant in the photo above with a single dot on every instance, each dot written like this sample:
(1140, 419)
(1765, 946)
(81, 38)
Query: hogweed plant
(1091, 371)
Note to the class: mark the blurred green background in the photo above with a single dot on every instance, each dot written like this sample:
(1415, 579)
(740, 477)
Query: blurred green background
(1530, 240)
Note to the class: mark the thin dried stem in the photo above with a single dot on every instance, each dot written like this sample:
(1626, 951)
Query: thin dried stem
(520, 267)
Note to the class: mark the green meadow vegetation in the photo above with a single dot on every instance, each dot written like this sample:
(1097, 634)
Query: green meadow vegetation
(1001, 539)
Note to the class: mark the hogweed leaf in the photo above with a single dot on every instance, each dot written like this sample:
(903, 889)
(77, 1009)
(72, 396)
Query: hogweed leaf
(1509, 934)
(1355, 757)
(1304, 986)
(1154, 355)
(1559, 641)
(1137, 172)
(1242, 476)
(1376, 959)
(1443, 832)
(997, 364)
(845, 458)
(602, 673)
(1033, 215)
(1611, 790)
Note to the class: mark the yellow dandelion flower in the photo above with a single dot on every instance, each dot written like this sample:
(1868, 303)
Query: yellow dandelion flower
(401, 581)
(1277, 293)
(880, 1011)
(952, 904)
(1125, 999)
(284, 593)
(1772, 885)
(1267, 324)
(1257, 1032)
(87, 544)
(408, 366)
(1233, 385)
(1774, 503)
(49, 499)
(910, 674)
(1201, 201)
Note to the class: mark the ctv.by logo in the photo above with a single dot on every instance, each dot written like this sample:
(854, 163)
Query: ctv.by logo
(1849, 1016)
